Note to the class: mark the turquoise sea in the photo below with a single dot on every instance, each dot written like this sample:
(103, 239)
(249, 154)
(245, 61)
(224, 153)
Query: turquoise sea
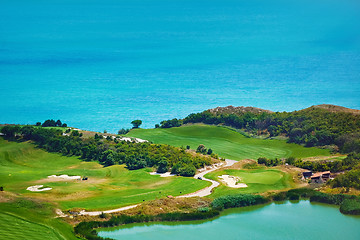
(101, 64)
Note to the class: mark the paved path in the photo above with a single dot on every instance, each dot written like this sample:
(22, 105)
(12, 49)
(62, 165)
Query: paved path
(207, 191)
(201, 193)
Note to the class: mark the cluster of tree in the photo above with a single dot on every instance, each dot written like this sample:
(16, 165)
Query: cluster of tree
(270, 162)
(311, 127)
(170, 123)
(123, 131)
(348, 179)
(108, 152)
(203, 150)
(51, 123)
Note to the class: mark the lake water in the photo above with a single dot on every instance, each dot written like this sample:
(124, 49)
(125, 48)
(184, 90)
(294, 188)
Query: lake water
(101, 64)
(302, 220)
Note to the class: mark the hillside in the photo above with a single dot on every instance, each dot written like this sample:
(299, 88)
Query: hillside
(225, 142)
(321, 125)
(237, 110)
(334, 109)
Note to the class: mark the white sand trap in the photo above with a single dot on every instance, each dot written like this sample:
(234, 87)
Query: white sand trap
(167, 174)
(38, 188)
(231, 181)
(65, 177)
(137, 140)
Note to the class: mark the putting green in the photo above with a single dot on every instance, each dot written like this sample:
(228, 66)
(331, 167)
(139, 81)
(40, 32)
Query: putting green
(226, 142)
(258, 181)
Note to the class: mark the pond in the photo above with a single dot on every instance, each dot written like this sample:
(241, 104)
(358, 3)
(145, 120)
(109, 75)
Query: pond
(300, 220)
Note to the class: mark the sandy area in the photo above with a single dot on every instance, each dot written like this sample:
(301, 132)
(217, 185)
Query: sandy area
(231, 181)
(38, 188)
(167, 174)
(64, 177)
(127, 139)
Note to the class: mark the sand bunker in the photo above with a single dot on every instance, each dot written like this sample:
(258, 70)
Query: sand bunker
(232, 181)
(64, 177)
(167, 174)
(128, 139)
(38, 188)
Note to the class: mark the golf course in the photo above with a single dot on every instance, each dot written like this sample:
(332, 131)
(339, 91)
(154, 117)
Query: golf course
(225, 142)
(24, 165)
(257, 181)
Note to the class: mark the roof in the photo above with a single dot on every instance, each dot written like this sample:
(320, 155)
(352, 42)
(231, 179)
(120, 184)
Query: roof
(319, 174)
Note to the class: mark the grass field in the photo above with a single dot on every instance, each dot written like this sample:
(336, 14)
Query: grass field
(21, 218)
(22, 165)
(225, 142)
(258, 181)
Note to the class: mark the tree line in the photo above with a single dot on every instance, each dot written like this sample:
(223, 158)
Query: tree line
(310, 127)
(111, 151)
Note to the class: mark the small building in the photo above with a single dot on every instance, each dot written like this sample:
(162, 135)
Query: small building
(307, 174)
(320, 177)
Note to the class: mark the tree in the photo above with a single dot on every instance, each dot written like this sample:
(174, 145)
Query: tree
(136, 123)
(210, 151)
(10, 131)
(58, 123)
(38, 123)
(201, 149)
(123, 131)
(163, 168)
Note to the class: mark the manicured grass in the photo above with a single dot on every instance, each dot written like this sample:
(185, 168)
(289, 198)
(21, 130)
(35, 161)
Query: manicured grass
(258, 181)
(23, 165)
(13, 227)
(25, 219)
(225, 142)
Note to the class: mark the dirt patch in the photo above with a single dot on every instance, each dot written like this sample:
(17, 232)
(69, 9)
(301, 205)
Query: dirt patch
(6, 196)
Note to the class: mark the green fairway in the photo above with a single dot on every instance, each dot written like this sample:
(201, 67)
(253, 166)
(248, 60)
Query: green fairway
(12, 227)
(225, 142)
(258, 181)
(23, 165)
(21, 218)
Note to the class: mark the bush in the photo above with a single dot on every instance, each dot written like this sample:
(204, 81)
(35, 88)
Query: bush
(350, 206)
(239, 200)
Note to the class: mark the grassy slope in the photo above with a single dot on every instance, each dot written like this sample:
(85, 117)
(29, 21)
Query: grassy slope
(22, 165)
(225, 142)
(24, 219)
(258, 181)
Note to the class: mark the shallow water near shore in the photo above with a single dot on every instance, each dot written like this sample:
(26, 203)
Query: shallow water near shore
(101, 64)
(299, 220)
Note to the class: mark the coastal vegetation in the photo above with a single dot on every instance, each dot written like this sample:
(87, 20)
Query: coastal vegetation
(323, 125)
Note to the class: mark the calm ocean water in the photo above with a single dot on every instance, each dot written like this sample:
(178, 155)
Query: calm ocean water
(100, 64)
